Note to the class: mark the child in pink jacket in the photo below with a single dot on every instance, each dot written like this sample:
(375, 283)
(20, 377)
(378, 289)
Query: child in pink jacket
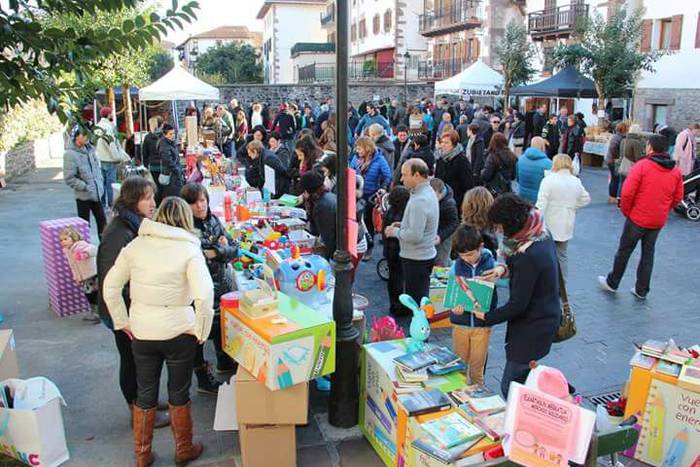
(81, 257)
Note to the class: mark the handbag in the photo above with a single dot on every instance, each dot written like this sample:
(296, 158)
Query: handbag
(164, 179)
(625, 166)
(567, 325)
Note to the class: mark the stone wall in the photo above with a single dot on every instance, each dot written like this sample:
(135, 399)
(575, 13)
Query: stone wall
(44, 152)
(315, 93)
(681, 106)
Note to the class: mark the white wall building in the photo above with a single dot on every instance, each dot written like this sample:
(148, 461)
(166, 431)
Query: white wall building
(670, 95)
(381, 32)
(195, 46)
(285, 23)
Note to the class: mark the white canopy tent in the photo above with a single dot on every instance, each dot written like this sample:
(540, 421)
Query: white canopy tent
(179, 85)
(479, 80)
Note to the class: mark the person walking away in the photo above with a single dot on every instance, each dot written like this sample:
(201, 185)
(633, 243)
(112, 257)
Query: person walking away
(227, 130)
(371, 164)
(166, 272)
(685, 149)
(109, 153)
(417, 230)
(241, 126)
(530, 169)
(80, 255)
(383, 143)
(448, 221)
(219, 250)
(171, 178)
(551, 135)
(613, 160)
(499, 169)
(136, 201)
(399, 115)
(533, 309)
(539, 120)
(452, 165)
(82, 172)
(149, 155)
(516, 134)
(632, 150)
(470, 336)
(653, 188)
(285, 124)
(474, 211)
(255, 175)
(398, 199)
(475, 152)
(560, 195)
(321, 207)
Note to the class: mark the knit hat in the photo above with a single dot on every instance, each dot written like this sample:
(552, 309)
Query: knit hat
(312, 181)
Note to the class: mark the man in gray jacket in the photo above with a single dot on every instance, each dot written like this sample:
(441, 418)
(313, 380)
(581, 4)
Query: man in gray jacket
(417, 231)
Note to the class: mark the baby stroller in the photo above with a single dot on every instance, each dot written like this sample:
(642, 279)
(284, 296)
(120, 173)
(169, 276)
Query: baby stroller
(690, 206)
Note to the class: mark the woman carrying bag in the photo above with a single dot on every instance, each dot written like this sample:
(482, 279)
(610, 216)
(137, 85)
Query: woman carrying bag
(171, 178)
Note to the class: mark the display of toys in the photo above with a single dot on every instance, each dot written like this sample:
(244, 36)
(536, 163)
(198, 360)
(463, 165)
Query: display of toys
(259, 303)
(304, 278)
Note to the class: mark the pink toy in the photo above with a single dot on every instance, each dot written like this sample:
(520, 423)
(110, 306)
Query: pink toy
(385, 329)
(65, 296)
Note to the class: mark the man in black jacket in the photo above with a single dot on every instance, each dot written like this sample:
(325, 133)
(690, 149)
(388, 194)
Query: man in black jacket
(285, 124)
(539, 120)
(400, 143)
(448, 221)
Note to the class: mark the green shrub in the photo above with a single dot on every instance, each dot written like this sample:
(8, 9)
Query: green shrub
(28, 122)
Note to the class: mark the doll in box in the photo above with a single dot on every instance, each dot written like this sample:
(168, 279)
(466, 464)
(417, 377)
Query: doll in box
(81, 257)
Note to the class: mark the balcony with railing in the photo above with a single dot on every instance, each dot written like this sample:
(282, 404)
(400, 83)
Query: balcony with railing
(312, 47)
(556, 22)
(357, 71)
(328, 18)
(442, 69)
(457, 16)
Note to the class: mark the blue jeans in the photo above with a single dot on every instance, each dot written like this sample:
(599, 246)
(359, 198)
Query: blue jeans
(513, 371)
(109, 175)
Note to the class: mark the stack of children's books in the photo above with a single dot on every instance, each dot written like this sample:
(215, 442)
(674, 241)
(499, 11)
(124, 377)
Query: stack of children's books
(666, 357)
(435, 360)
(483, 407)
(447, 438)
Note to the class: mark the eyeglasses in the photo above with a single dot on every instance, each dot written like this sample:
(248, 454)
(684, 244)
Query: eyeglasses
(497, 122)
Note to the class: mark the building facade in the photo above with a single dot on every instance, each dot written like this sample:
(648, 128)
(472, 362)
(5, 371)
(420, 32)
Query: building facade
(286, 23)
(670, 95)
(198, 44)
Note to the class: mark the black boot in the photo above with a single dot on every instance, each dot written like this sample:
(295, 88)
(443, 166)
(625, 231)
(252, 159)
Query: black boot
(225, 364)
(206, 383)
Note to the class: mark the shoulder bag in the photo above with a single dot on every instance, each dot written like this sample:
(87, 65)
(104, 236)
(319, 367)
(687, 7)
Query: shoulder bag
(567, 326)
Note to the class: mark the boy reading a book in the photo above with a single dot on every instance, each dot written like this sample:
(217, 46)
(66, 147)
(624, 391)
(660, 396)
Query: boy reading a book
(470, 336)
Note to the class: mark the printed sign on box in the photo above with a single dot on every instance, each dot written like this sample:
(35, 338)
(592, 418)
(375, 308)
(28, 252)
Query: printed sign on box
(293, 346)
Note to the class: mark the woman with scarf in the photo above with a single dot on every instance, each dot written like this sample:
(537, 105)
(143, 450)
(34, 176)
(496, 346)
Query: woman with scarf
(533, 310)
(136, 201)
(370, 163)
(452, 165)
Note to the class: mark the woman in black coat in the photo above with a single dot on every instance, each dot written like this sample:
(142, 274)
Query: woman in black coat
(135, 202)
(453, 167)
(499, 169)
(261, 158)
(170, 162)
(533, 311)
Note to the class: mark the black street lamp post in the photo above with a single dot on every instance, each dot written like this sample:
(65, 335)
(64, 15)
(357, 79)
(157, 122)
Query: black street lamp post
(344, 397)
(406, 58)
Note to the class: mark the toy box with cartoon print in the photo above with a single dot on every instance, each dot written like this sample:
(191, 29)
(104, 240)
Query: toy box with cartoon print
(294, 345)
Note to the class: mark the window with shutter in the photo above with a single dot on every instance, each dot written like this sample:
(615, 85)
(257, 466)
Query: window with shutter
(664, 34)
(387, 21)
(676, 31)
(353, 32)
(375, 25)
(647, 25)
(697, 34)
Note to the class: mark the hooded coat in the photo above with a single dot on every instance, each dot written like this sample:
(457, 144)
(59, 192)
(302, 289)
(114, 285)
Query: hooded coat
(530, 172)
(387, 147)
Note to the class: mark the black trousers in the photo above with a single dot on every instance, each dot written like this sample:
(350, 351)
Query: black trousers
(84, 209)
(127, 366)
(614, 186)
(417, 277)
(367, 213)
(631, 235)
(395, 285)
(178, 354)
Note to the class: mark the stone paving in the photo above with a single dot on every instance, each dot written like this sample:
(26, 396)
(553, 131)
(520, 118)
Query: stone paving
(82, 360)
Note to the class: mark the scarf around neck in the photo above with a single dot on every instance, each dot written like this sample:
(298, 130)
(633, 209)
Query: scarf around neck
(533, 231)
(448, 156)
(132, 219)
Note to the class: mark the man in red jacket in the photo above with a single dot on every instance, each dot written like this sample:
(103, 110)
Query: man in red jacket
(653, 187)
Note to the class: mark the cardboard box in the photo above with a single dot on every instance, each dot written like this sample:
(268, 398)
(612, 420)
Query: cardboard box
(8, 358)
(257, 404)
(268, 445)
(293, 346)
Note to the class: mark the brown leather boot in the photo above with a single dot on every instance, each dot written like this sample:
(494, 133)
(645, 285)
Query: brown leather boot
(162, 418)
(181, 423)
(143, 435)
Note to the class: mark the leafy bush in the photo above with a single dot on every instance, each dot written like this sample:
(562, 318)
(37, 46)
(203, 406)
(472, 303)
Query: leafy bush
(27, 122)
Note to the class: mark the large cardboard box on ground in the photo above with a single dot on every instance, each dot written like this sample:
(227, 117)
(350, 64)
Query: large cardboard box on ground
(257, 404)
(268, 445)
(293, 346)
(8, 357)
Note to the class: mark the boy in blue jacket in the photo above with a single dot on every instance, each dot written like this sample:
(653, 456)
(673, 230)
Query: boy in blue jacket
(470, 335)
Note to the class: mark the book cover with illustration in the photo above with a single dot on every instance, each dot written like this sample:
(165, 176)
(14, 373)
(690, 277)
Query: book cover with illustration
(462, 291)
(670, 435)
(451, 430)
(420, 402)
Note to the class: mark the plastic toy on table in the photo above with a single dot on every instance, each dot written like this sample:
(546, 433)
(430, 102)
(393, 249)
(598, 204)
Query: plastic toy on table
(420, 327)
(304, 278)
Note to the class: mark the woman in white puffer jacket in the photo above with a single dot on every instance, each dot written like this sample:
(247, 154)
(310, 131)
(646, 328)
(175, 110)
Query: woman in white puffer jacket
(561, 194)
(166, 272)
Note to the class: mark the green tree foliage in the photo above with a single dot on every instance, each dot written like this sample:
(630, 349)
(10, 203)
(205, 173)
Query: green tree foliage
(60, 61)
(515, 55)
(608, 52)
(160, 62)
(235, 62)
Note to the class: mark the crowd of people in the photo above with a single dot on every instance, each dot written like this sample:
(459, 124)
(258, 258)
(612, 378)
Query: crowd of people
(490, 194)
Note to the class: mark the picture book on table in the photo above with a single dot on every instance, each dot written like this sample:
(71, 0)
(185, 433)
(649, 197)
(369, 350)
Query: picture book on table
(451, 430)
(690, 376)
(420, 402)
(670, 434)
(444, 455)
(463, 291)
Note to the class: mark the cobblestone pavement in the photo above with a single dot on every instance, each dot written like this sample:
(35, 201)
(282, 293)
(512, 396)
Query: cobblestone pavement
(82, 360)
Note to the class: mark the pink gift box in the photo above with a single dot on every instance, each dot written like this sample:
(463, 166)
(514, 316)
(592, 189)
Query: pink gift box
(65, 296)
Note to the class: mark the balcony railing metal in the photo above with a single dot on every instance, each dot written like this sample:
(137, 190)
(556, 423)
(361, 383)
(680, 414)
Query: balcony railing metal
(462, 14)
(357, 70)
(328, 17)
(443, 68)
(556, 21)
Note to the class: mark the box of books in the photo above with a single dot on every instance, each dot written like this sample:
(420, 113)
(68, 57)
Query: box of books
(257, 404)
(294, 345)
